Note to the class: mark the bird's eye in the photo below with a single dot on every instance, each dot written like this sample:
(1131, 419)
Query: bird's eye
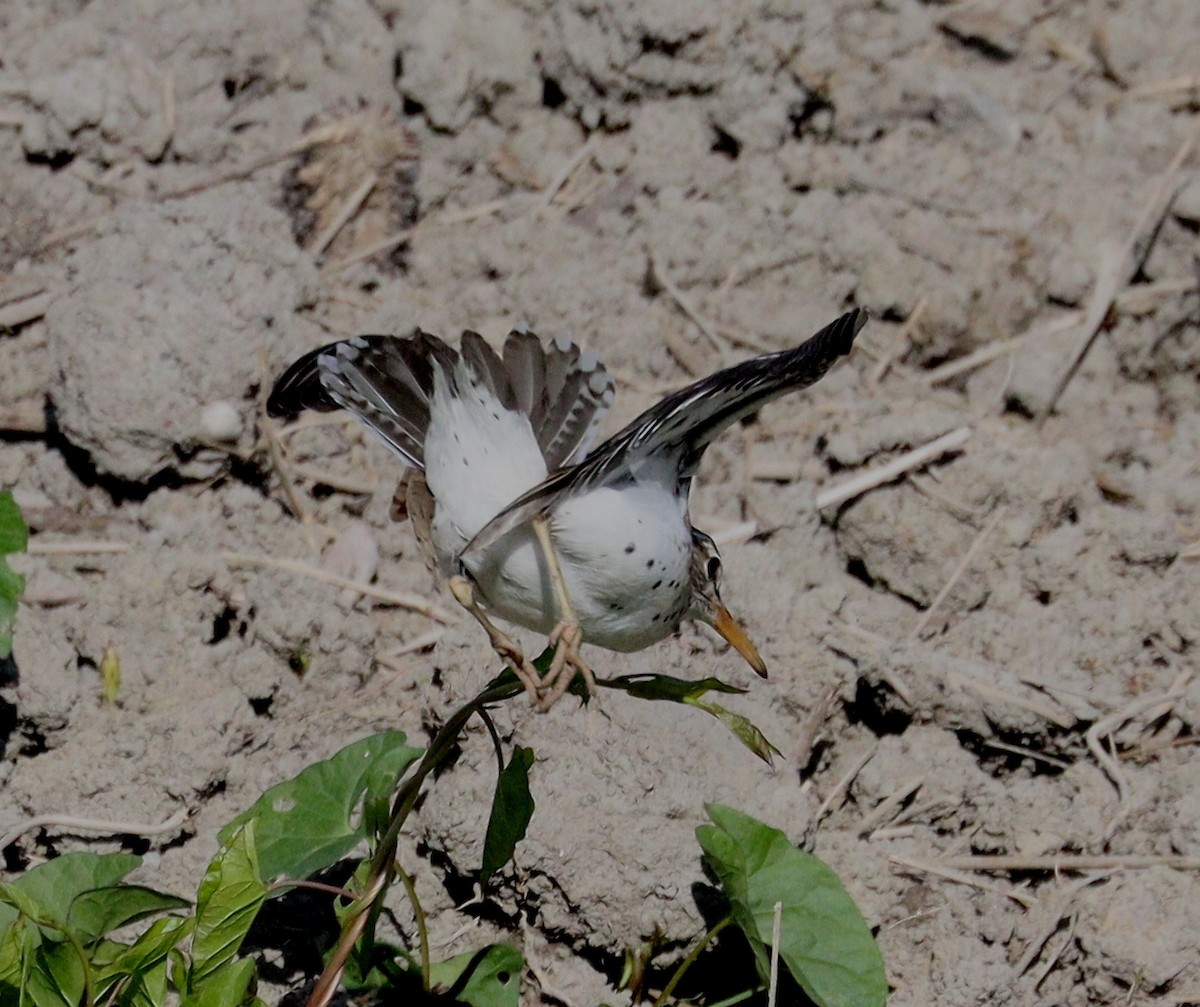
(713, 568)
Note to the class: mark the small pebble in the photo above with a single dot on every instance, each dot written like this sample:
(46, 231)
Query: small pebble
(221, 422)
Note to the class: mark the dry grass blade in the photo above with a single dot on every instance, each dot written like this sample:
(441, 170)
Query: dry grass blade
(941, 869)
(77, 547)
(860, 484)
(1102, 731)
(409, 602)
(962, 567)
(27, 309)
(101, 825)
(352, 205)
(1122, 263)
(683, 302)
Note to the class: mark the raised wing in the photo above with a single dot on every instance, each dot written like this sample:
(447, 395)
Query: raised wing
(674, 434)
(387, 383)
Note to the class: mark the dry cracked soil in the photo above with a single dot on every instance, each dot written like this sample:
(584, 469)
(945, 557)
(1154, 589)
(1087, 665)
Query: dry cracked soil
(983, 668)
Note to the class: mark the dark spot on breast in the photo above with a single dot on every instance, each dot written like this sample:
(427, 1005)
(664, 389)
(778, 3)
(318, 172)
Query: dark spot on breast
(629, 549)
(657, 585)
(496, 417)
(673, 584)
(649, 564)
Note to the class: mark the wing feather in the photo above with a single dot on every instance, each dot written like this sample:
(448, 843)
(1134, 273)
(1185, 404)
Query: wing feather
(675, 432)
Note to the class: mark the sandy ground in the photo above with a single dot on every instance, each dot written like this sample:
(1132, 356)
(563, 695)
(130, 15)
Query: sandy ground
(993, 656)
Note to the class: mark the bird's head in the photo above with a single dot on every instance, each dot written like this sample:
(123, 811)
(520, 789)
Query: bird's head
(706, 600)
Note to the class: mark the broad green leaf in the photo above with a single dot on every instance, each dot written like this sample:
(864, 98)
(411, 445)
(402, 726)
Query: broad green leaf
(230, 985)
(310, 822)
(490, 977)
(741, 728)
(142, 964)
(57, 977)
(50, 888)
(102, 910)
(824, 940)
(14, 537)
(228, 900)
(512, 808)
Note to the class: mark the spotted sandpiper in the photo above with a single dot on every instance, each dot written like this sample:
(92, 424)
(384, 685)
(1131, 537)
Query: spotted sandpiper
(509, 501)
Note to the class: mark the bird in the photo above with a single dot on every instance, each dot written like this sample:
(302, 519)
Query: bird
(513, 504)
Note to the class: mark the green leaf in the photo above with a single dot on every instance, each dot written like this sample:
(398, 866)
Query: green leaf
(490, 977)
(14, 537)
(57, 976)
(512, 808)
(227, 902)
(230, 985)
(667, 687)
(683, 690)
(308, 823)
(824, 940)
(102, 910)
(143, 964)
(47, 891)
(741, 728)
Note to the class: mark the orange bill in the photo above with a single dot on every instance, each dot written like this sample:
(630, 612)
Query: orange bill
(727, 626)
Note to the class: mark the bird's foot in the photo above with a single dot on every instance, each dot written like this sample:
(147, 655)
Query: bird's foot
(506, 649)
(566, 638)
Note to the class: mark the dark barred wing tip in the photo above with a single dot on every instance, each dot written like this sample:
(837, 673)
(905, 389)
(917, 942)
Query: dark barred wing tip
(841, 333)
(300, 388)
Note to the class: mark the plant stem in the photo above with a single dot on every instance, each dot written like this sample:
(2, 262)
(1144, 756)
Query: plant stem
(419, 916)
(366, 909)
(690, 960)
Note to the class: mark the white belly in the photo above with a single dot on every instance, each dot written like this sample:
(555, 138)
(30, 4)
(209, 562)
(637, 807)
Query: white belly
(625, 555)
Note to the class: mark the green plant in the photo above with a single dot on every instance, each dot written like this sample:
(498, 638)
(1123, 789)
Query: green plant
(58, 921)
(14, 537)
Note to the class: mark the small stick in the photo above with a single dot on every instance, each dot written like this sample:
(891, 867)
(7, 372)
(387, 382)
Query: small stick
(1038, 941)
(1055, 862)
(417, 643)
(404, 600)
(1104, 728)
(962, 567)
(992, 351)
(564, 176)
(1046, 969)
(914, 459)
(810, 729)
(346, 484)
(27, 309)
(1117, 270)
(113, 828)
(340, 219)
(313, 138)
(72, 548)
(390, 242)
(1170, 86)
(735, 534)
(901, 343)
(879, 814)
(279, 461)
(685, 305)
(776, 927)
(936, 868)
(842, 785)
